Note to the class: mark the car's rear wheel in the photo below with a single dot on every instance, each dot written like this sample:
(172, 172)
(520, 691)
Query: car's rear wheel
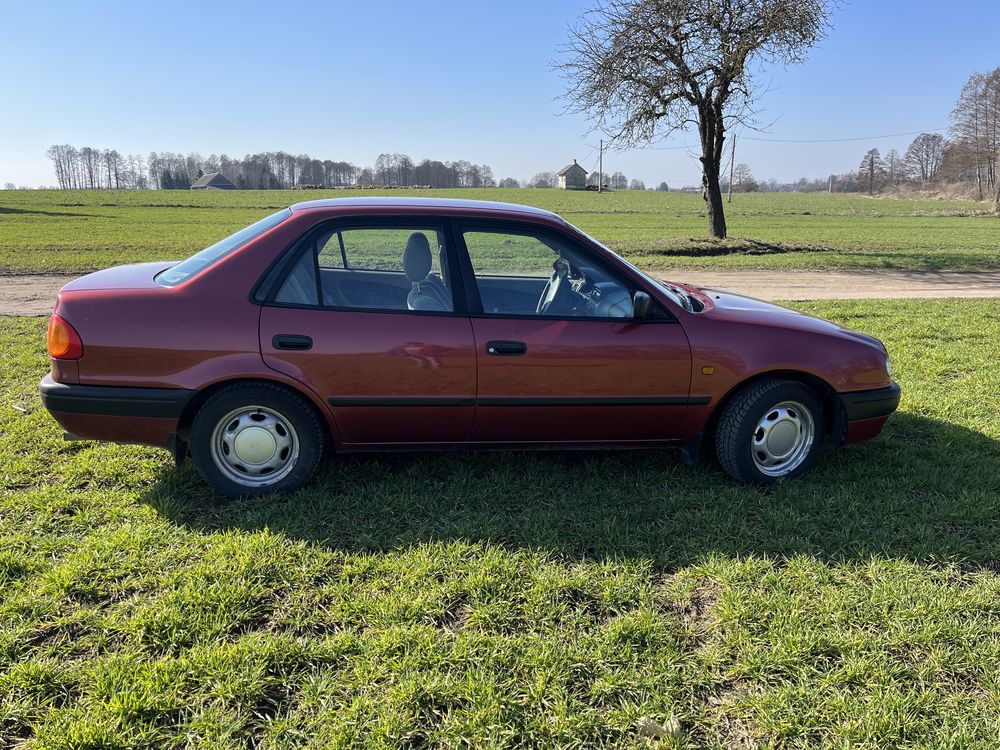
(770, 430)
(256, 439)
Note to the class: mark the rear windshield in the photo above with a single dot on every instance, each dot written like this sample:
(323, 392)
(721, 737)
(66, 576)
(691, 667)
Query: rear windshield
(202, 260)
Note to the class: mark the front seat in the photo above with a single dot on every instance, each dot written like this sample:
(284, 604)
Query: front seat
(426, 290)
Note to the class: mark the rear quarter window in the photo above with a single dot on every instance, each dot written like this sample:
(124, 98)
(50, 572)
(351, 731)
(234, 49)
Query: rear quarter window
(214, 253)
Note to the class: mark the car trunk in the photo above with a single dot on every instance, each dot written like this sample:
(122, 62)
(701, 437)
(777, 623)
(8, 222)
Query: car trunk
(133, 276)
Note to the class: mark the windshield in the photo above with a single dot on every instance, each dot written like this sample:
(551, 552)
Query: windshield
(202, 260)
(678, 295)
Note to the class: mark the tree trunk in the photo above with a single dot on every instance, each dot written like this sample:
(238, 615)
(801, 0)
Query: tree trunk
(996, 199)
(713, 200)
(712, 134)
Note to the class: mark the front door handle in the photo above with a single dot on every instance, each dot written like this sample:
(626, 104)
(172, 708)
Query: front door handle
(506, 348)
(292, 341)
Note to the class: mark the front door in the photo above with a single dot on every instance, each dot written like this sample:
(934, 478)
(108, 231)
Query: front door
(384, 348)
(560, 358)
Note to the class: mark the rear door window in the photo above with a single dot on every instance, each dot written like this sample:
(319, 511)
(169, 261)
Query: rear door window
(373, 268)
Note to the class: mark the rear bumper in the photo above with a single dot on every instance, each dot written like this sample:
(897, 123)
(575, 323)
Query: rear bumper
(862, 414)
(117, 414)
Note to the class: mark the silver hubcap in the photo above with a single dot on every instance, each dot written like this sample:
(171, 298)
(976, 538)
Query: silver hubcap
(782, 439)
(255, 446)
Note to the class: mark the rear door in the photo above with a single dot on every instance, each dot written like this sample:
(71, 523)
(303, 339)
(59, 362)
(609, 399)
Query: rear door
(340, 322)
(568, 365)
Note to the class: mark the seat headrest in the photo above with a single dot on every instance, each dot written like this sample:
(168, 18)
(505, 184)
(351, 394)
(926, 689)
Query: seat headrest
(417, 257)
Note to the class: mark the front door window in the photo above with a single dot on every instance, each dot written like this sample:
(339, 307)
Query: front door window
(537, 275)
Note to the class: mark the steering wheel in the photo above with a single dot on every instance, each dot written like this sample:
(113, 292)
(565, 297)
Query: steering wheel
(557, 297)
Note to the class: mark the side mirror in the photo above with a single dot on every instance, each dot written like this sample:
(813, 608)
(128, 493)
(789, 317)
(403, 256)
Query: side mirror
(642, 306)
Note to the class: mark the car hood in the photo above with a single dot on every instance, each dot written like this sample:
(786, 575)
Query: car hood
(728, 306)
(133, 276)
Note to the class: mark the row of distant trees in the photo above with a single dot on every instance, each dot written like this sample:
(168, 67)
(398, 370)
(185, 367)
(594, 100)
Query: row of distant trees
(969, 155)
(931, 158)
(94, 168)
(91, 168)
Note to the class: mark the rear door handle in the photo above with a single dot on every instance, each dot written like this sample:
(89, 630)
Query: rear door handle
(506, 348)
(292, 341)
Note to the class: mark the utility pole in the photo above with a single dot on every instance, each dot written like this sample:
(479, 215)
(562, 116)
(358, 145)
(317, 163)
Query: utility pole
(600, 167)
(732, 165)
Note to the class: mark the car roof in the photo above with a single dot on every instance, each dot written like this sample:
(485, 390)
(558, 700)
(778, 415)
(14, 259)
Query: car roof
(457, 205)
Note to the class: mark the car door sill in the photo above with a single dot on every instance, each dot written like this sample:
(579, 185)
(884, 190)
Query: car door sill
(531, 401)
(507, 446)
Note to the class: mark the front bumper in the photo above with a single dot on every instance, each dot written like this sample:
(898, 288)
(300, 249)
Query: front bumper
(870, 404)
(861, 415)
(119, 414)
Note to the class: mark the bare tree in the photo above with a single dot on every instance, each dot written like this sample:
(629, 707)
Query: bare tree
(742, 178)
(405, 169)
(114, 166)
(976, 128)
(60, 161)
(924, 156)
(663, 188)
(599, 179)
(509, 182)
(871, 169)
(644, 69)
(895, 168)
(637, 184)
(619, 181)
(543, 180)
(996, 198)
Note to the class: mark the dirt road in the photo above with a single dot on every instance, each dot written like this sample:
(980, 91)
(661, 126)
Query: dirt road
(803, 285)
(35, 294)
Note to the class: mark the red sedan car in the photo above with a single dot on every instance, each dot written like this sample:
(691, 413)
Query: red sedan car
(384, 323)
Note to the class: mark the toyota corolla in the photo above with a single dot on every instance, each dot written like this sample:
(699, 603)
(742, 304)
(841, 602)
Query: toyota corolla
(383, 324)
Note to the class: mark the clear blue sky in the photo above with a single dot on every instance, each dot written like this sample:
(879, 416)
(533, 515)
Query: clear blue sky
(437, 79)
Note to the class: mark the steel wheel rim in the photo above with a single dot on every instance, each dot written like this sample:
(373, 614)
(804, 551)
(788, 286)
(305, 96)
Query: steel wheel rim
(255, 446)
(782, 439)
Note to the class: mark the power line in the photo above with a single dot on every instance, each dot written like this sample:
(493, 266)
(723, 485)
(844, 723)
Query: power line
(843, 140)
(791, 140)
(592, 150)
(663, 148)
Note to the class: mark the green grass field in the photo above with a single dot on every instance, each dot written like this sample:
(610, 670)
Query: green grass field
(83, 230)
(513, 600)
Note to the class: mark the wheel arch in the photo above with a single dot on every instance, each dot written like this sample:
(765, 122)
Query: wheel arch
(330, 432)
(824, 390)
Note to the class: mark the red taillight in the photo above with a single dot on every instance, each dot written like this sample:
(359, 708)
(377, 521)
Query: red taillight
(63, 340)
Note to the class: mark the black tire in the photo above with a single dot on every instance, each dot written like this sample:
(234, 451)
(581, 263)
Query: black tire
(290, 411)
(741, 419)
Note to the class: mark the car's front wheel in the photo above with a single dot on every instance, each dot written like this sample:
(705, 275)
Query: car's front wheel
(770, 430)
(256, 439)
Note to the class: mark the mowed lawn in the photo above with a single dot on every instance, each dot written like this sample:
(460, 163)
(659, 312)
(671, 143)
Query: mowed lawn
(52, 230)
(560, 600)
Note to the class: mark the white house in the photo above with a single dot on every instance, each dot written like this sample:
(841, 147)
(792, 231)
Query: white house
(573, 177)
